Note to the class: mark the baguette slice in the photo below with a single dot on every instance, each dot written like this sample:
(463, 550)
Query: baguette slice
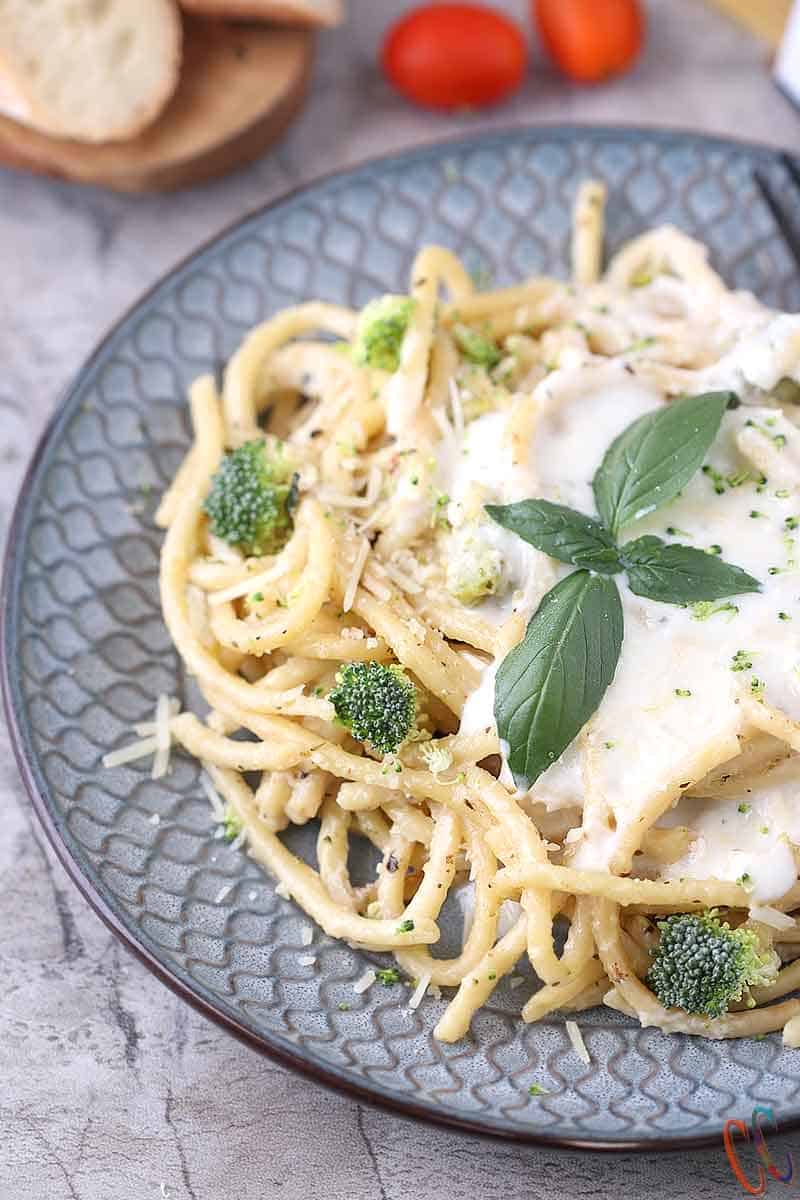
(240, 87)
(92, 70)
(287, 12)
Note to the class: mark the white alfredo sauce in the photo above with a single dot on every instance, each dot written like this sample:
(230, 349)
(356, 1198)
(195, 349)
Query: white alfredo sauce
(745, 835)
(672, 712)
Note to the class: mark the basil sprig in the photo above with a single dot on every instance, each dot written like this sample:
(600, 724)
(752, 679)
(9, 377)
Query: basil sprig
(678, 574)
(655, 457)
(549, 685)
(561, 532)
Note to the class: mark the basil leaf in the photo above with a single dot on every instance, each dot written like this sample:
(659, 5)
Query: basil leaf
(680, 574)
(560, 532)
(655, 457)
(549, 685)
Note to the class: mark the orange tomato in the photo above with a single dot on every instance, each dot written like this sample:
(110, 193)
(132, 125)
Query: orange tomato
(590, 39)
(454, 56)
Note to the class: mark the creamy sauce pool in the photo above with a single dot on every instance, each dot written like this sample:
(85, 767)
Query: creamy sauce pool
(746, 834)
(673, 708)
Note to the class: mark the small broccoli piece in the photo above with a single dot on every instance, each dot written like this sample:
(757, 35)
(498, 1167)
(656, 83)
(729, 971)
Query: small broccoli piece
(437, 758)
(474, 567)
(232, 824)
(378, 704)
(388, 976)
(477, 347)
(381, 328)
(252, 497)
(703, 966)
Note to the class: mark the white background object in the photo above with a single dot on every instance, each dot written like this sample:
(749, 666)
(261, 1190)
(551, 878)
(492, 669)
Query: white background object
(787, 64)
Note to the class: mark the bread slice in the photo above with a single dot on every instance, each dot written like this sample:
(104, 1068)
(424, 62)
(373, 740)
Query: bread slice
(287, 12)
(240, 87)
(93, 70)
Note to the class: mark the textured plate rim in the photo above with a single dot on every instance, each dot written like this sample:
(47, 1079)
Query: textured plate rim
(269, 1045)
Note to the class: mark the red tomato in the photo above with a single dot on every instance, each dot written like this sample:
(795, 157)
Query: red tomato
(590, 39)
(454, 56)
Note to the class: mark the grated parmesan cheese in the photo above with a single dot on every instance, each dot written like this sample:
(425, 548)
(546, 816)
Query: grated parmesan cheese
(516, 981)
(141, 749)
(351, 633)
(445, 428)
(417, 631)
(415, 999)
(437, 758)
(457, 410)
(222, 550)
(213, 797)
(163, 737)
(355, 575)
(306, 935)
(155, 737)
(578, 1044)
(223, 893)
(307, 960)
(148, 728)
(366, 981)
(403, 580)
(245, 587)
(197, 611)
(378, 589)
(343, 500)
(375, 517)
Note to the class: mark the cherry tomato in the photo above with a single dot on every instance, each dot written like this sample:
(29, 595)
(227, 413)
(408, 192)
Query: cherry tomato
(454, 56)
(590, 39)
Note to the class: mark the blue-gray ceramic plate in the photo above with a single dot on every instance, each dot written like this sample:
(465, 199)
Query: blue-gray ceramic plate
(86, 653)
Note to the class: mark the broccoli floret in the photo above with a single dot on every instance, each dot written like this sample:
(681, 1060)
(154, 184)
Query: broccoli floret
(381, 328)
(378, 704)
(477, 347)
(474, 567)
(252, 497)
(232, 825)
(702, 965)
(388, 976)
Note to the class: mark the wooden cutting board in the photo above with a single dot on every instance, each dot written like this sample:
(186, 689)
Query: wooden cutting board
(240, 87)
(765, 18)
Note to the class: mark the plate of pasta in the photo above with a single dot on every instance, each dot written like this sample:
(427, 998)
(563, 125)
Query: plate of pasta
(399, 634)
